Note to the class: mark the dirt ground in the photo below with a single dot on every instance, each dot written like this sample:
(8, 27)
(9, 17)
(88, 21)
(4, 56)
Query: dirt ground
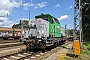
(61, 54)
(56, 53)
(65, 54)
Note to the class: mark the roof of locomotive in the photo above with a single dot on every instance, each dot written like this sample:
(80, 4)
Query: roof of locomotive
(46, 15)
(42, 15)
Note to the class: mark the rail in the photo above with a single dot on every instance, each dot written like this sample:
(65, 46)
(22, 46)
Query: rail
(7, 45)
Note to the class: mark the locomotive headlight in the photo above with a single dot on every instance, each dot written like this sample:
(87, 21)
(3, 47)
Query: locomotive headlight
(39, 40)
(30, 35)
(42, 32)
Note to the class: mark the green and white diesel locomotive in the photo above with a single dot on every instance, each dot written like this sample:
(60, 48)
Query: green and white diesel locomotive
(43, 32)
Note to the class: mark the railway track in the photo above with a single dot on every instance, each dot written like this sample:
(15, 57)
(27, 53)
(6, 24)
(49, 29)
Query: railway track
(27, 55)
(19, 53)
(10, 45)
(9, 41)
(10, 48)
(23, 55)
(16, 51)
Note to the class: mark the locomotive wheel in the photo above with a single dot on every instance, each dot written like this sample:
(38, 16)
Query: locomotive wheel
(42, 45)
(55, 44)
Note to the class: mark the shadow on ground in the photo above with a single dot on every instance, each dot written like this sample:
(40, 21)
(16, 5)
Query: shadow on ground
(65, 47)
(70, 55)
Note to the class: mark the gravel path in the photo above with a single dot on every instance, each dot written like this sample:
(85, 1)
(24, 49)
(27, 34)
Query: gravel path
(61, 53)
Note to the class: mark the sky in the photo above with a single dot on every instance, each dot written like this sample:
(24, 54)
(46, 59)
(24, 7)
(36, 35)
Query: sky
(12, 11)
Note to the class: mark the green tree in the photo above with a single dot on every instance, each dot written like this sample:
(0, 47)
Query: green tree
(16, 26)
(71, 32)
(24, 24)
(86, 19)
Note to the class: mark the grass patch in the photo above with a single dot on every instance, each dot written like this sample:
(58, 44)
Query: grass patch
(86, 47)
(71, 51)
(43, 58)
(40, 59)
(57, 49)
(67, 44)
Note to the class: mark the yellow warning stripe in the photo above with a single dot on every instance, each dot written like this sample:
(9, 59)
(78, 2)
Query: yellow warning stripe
(42, 46)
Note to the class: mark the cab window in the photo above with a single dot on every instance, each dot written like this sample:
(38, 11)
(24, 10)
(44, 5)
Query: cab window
(45, 18)
(56, 20)
(51, 21)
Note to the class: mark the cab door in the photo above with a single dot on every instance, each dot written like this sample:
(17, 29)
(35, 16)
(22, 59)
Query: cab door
(57, 28)
(51, 26)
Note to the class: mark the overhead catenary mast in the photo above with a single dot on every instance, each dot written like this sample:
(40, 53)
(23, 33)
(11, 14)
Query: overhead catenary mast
(78, 21)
